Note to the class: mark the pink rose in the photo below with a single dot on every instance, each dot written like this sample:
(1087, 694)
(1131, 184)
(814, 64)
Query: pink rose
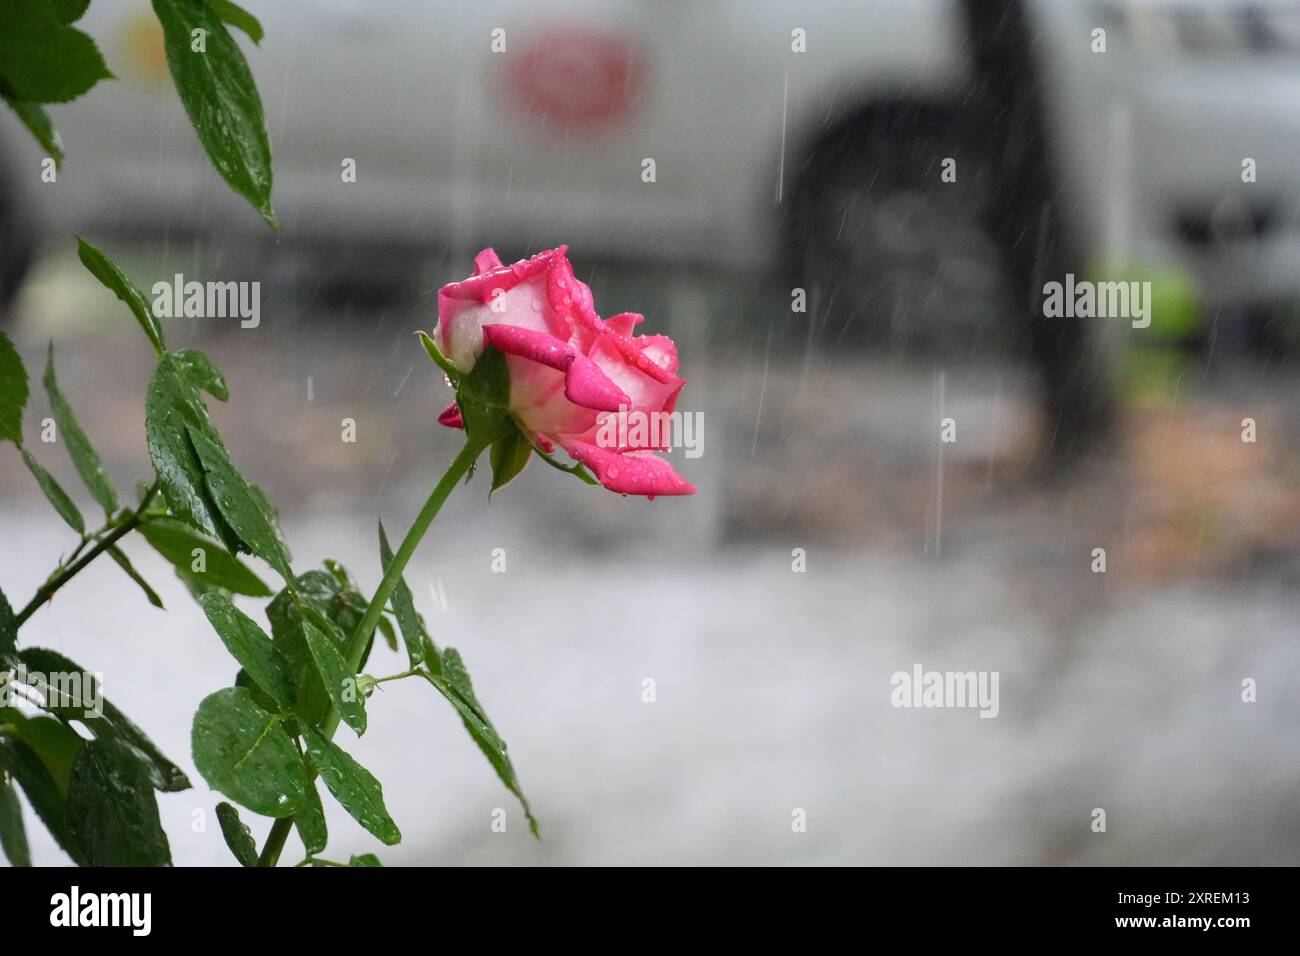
(569, 369)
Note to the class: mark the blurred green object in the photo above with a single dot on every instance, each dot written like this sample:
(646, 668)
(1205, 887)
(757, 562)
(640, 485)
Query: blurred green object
(1154, 360)
(1175, 299)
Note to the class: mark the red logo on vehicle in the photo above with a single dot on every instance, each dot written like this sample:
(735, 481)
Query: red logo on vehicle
(577, 76)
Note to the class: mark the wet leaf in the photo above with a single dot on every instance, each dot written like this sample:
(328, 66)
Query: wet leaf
(245, 753)
(178, 543)
(42, 60)
(172, 406)
(112, 723)
(54, 742)
(83, 454)
(8, 630)
(333, 610)
(55, 494)
(112, 810)
(338, 681)
(107, 272)
(13, 392)
(123, 562)
(237, 16)
(403, 604)
(237, 835)
(202, 373)
(352, 785)
(254, 650)
(38, 123)
(454, 684)
(221, 99)
(25, 767)
(310, 821)
(484, 398)
(241, 508)
(13, 835)
(508, 455)
(69, 11)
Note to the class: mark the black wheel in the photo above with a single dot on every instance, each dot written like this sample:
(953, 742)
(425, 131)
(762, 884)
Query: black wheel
(15, 243)
(893, 256)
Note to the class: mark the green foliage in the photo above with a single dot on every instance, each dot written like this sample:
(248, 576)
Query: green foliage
(112, 723)
(352, 785)
(87, 771)
(39, 124)
(112, 810)
(508, 456)
(202, 374)
(403, 604)
(239, 505)
(484, 398)
(13, 834)
(55, 494)
(317, 598)
(454, 684)
(249, 645)
(339, 682)
(25, 768)
(83, 454)
(185, 548)
(42, 60)
(246, 753)
(114, 279)
(200, 483)
(237, 16)
(69, 11)
(237, 835)
(53, 742)
(13, 392)
(310, 821)
(8, 630)
(123, 562)
(219, 94)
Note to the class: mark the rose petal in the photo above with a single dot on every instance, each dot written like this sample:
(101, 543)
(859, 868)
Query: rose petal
(659, 349)
(487, 261)
(624, 322)
(450, 417)
(649, 387)
(634, 473)
(584, 383)
(530, 344)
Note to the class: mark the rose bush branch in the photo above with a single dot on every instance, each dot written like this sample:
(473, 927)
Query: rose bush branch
(361, 635)
(46, 591)
(534, 369)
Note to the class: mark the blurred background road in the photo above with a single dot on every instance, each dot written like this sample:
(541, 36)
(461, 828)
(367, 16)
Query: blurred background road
(781, 171)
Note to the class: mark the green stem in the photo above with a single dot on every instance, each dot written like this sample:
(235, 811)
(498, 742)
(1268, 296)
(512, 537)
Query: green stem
(392, 677)
(359, 640)
(48, 589)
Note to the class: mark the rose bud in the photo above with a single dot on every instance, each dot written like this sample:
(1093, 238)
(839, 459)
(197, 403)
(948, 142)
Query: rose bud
(568, 369)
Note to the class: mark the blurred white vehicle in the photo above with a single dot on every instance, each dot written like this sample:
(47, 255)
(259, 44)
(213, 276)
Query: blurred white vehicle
(728, 134)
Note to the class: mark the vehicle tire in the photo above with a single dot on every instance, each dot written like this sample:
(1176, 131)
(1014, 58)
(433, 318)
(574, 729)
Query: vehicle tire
(15, 244)
(893, 257)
